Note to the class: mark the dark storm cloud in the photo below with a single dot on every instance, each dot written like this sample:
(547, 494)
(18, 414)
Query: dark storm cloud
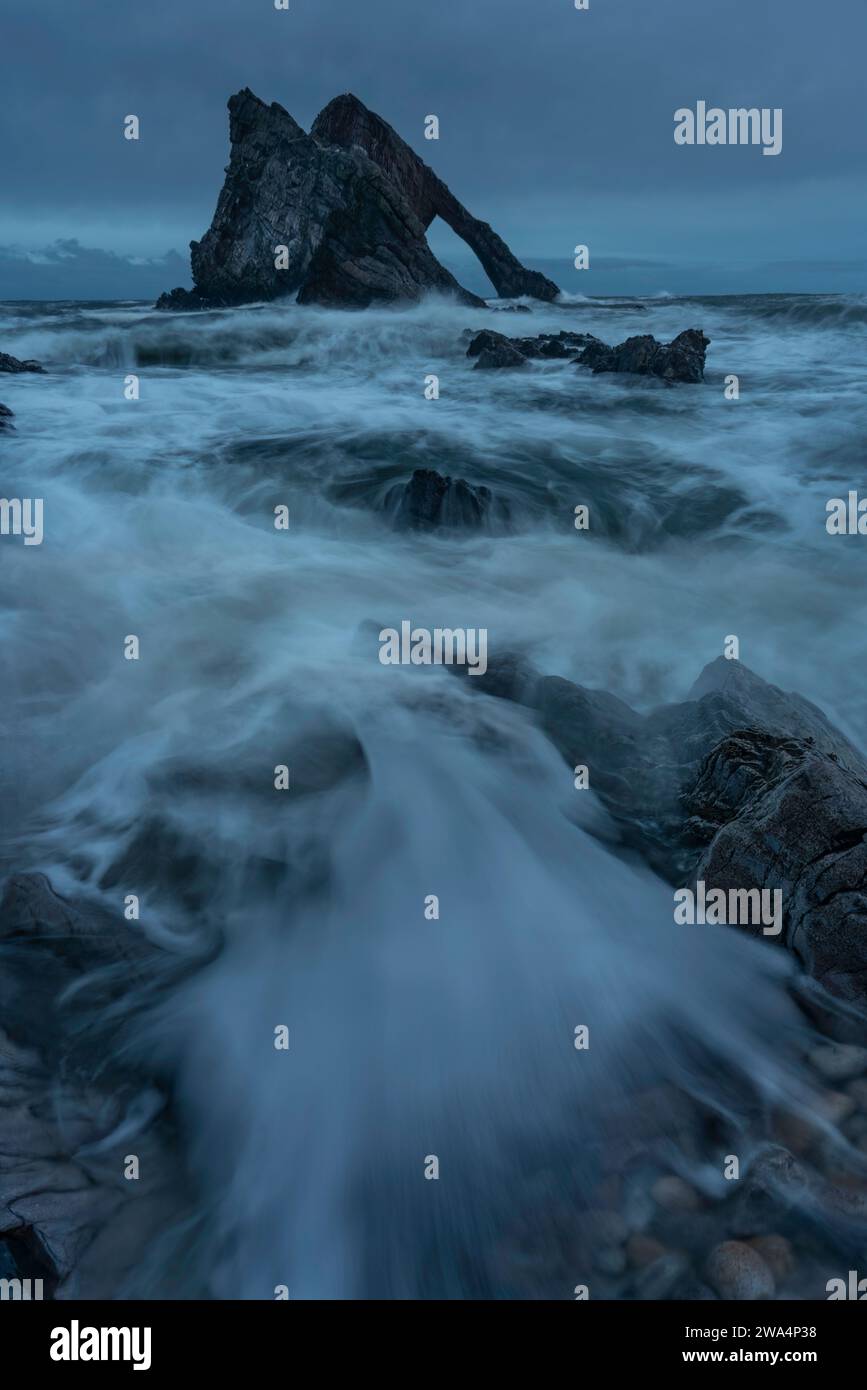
(547, 114)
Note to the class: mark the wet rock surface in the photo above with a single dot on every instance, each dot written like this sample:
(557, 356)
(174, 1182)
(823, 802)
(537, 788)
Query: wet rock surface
(493, 349)
(500, 355)
(349, 202)
(682, 359)
(735, 765)
(346, 122)
(798, 821)
(431, 501)
(16, 365)
(742, 785)
(68, 1120)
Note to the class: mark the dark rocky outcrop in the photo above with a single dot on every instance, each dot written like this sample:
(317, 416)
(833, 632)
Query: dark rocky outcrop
(350, 202)
(784, 814)
(14, 364)
(181, 299)
(6, 418)
(346, 122)
(431, 501)
(742, 785)
(680, 360)
(67, 1115)
(498, 350)
(500, 355)
(646, 767)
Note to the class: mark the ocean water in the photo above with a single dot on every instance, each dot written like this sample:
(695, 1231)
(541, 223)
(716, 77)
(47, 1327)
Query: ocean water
(408, 1038)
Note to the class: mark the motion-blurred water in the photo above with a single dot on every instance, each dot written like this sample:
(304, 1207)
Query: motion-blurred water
(408, 1037)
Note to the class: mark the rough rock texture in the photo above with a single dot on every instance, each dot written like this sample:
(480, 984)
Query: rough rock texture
(500, 355)
(647, 767)
(14, 364)
(737, 1271)
(788, 816)
(741, 785)
(6, 418)
(498, 350)
(680, 360)
(346, 122)
(67, 1118)
(349, 201)
(429, 500)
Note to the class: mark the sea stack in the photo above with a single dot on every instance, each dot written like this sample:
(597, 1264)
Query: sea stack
(337, 217)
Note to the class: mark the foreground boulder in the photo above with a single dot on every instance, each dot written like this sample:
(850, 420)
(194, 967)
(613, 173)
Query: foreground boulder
(349, 204)
(69, 1113)
(6, 418)
(14, 364)
(430, 501)
(741, 785)
(646, 767)
(680, 360)
(783, 813)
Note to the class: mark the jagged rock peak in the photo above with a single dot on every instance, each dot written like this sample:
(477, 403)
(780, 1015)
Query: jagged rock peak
(348, 204)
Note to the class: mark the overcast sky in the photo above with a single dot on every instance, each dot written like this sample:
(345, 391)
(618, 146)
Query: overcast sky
(556, 125)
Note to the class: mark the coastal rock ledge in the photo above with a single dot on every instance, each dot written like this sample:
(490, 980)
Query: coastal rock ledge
(350, 203)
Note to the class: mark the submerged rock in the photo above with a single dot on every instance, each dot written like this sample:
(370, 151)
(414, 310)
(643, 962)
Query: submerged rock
(348, 204)
(6, 418)
(680, 360)
(430, 500)
(14, 364)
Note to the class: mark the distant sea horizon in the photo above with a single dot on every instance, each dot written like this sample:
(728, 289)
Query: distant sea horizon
(80, 273)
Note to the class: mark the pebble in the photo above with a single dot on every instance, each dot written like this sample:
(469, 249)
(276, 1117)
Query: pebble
(658, 1280)
(839, 1061)
(799, 1132)
(673, 1194)
(835, 1106)
(735, 1270)
(796, 1132)
(778, 1255)
(643, 1250)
